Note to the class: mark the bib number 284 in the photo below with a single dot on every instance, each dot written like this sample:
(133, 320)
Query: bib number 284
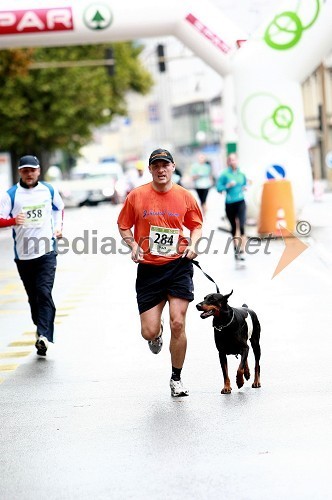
(163, 240)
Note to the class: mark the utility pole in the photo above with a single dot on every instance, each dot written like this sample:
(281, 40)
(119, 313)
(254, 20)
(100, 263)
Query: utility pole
(323, 125)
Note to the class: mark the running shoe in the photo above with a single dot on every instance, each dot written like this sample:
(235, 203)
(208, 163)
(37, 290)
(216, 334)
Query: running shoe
(177, 388)
(241, 256)
(41, 345)
(156, 344)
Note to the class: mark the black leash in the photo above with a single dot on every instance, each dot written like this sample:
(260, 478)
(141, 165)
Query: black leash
(208, 277)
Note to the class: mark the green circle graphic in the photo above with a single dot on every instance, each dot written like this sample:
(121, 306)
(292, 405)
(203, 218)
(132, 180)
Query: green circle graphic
(273, 135)
(275, 128)
(288, 24)
(283, 117)
(314, 19)
(294, 34)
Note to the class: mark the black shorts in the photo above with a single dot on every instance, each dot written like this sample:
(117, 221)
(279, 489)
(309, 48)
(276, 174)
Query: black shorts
(155, 283)
(202, 194)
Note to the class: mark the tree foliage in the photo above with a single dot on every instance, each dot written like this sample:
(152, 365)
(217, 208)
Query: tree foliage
(43, 110)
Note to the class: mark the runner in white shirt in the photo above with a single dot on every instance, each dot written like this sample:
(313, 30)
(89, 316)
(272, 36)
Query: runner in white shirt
(35, 242)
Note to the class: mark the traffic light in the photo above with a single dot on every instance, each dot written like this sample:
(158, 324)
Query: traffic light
(110, 66)
(161, 58)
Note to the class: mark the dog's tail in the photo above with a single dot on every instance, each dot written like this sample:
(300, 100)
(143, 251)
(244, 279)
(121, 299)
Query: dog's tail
(245, 305)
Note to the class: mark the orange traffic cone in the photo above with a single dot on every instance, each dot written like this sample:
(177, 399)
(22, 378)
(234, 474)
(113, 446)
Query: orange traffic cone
(281, 221)
(277, 208)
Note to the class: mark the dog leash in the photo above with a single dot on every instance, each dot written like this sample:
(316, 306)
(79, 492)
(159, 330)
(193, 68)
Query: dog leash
(208, 277)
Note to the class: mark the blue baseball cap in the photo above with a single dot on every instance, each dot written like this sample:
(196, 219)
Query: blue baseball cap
(28, 161)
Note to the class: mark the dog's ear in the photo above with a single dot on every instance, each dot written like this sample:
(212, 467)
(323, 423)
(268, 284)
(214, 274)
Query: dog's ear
(226, 297)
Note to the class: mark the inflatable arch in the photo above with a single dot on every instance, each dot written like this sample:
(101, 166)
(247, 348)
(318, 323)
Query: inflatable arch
(262, 76)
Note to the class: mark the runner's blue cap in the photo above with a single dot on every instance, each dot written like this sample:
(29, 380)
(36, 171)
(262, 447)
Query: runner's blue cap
(29, 161)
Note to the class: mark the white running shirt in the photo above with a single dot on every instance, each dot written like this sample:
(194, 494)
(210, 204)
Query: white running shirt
(43, 208)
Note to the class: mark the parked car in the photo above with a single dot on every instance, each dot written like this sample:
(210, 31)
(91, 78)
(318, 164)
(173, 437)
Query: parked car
(93, 184)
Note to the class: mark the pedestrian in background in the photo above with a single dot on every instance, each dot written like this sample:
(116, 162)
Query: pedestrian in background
(201, 173)
(233, 182)
(38, 209)
(159, 211)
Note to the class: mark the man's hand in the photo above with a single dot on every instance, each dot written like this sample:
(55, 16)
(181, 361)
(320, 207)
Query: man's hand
(137, 254)
(58, 234)
(189, 253)
(20, 219)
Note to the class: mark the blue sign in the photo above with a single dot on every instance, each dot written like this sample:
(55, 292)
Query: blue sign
(153, 111)
(275, 172)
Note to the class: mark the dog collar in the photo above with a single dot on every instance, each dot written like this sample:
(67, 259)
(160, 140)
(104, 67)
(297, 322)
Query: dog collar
(221, 327)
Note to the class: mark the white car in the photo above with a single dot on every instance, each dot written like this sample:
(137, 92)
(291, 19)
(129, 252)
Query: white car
(93, 184)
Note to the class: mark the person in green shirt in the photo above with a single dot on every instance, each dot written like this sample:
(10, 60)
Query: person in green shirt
(202, 176)
(233, 182)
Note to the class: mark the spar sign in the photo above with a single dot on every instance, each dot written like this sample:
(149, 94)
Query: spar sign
(36, 21)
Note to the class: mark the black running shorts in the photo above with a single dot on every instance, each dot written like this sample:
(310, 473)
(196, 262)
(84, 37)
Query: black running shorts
(155, 283)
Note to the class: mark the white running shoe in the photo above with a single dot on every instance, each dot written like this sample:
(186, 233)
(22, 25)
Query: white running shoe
(177, 388)
(156, 344)
(41, 345)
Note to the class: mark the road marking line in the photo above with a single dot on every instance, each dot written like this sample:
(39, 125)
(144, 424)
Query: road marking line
(62, 315)
(11, 311)
(78, 294)
(7, 288)
(21, 343)
(17, 354)
(8, 368)
(9, 301)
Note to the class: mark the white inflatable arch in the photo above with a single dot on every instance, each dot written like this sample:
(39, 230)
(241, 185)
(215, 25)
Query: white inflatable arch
(262, 76)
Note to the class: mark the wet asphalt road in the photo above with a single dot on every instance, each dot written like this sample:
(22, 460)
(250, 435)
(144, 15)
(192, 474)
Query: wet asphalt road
(95, 419)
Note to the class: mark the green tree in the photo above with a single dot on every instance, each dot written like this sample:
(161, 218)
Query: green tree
(44, 110)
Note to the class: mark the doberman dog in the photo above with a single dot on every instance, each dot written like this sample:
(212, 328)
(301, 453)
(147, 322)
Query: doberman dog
(233, 327)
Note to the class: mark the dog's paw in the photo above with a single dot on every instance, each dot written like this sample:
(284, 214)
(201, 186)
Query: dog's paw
(247, 374)
(226, 390)
(256, 385)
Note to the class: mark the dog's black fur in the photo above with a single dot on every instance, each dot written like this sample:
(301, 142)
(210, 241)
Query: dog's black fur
(231, 336)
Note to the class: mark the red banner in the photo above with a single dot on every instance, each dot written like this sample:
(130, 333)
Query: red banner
(207, 33)
(36, 20)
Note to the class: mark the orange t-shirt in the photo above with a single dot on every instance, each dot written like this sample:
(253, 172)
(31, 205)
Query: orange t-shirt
(158, 220)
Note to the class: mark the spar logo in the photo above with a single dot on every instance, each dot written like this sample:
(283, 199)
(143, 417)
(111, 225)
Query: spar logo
(36, 21)
(97, 16)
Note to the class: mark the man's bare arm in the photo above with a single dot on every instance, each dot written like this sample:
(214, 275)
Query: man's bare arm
(128, 237)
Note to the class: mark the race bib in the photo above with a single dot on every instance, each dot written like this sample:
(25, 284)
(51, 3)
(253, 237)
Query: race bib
(34, 215)
(163, 240)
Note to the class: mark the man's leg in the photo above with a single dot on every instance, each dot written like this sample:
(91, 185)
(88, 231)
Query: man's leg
(27, 272)
(44, 285)
(242, 220)
(178, 344)
(151, 321)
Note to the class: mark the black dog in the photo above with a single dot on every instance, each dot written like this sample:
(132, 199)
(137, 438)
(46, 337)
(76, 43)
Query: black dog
(233, 327)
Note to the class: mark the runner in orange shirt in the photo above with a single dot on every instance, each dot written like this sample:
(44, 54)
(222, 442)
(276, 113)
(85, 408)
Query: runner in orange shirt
(159, 211)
